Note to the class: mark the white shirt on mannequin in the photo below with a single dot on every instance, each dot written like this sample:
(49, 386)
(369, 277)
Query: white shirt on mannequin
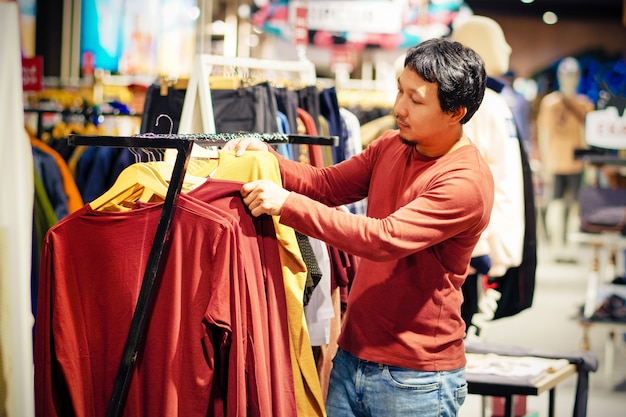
(492, 129)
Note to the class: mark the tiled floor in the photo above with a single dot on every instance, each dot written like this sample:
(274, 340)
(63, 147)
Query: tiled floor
(550, 324)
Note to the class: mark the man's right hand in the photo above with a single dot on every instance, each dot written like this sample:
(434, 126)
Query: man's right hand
(240, 145)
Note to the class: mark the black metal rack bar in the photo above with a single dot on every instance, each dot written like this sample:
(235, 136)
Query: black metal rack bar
(153, 140)
(183, 143)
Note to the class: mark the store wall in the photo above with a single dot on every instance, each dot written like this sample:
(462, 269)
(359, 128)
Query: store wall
(536, 45)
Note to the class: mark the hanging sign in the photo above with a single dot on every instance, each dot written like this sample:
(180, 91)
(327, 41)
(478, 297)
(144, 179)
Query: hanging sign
(391, 24)
(353, 16)
(32, 73)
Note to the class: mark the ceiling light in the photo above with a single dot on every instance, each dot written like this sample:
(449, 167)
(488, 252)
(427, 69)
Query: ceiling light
(550, 18)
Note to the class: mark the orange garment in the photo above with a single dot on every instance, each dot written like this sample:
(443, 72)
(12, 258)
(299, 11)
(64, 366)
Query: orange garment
(74, 199)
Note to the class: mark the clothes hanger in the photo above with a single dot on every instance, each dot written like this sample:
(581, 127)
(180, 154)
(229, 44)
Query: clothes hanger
(202, 168)
(225, 82)
(165, 83)
(198, 152)
(164, 168)
(137, 182)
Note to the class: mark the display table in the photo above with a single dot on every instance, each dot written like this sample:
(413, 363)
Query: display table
(502, 386)
(579, 362)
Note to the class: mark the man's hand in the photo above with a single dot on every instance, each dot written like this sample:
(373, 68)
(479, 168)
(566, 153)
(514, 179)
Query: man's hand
(240, 145)
(264, 197)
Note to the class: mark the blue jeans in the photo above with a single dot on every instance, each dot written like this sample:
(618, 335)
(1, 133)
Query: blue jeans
(368, 389)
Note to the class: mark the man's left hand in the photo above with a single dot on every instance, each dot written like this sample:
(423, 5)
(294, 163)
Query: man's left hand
(264, 197)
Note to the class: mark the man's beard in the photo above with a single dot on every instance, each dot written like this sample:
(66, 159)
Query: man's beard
(407, 142)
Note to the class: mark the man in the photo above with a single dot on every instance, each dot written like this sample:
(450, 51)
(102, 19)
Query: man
(430, 194)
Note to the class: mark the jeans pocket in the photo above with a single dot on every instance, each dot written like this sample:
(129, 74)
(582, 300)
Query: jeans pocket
(460, 394)
(410, 379)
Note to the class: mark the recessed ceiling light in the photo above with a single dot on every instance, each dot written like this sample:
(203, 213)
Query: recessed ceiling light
(550, 18)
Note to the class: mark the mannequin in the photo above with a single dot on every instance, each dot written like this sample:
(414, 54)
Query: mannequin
(493, 131)
(560, 130)
(485, 36)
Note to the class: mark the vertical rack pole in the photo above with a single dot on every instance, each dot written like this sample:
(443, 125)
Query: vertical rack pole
(147, 294)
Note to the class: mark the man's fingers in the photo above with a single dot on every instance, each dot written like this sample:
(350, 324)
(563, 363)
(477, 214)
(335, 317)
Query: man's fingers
(263, 197)
(247, 188)
(240, 145)
(250, 194)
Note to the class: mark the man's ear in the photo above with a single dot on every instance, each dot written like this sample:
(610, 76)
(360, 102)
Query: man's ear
(457, 115)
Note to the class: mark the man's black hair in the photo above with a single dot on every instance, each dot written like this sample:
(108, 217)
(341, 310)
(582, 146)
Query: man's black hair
(458, 71)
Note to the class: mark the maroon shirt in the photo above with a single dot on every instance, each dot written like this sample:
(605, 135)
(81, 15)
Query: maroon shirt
(424, 217)
(273, 371)
(200, 333)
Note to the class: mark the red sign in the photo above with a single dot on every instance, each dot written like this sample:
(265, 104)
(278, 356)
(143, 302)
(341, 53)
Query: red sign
(32, 73)
(301, 27)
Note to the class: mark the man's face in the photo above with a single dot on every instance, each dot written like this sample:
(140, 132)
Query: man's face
(417, 109)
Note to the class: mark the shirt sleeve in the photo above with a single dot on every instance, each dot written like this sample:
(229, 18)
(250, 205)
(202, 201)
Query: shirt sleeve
(444, 211)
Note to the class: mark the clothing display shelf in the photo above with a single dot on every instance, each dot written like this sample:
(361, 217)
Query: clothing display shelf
(183, 144)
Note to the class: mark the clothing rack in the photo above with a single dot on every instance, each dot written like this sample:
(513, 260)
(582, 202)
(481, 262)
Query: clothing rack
(197, 114)
(183, 143)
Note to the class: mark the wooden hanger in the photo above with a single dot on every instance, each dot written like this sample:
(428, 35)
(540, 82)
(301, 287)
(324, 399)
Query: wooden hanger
(203, 168)
(225, 82)
(166, 83)
(137, 182)
(197, 153)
